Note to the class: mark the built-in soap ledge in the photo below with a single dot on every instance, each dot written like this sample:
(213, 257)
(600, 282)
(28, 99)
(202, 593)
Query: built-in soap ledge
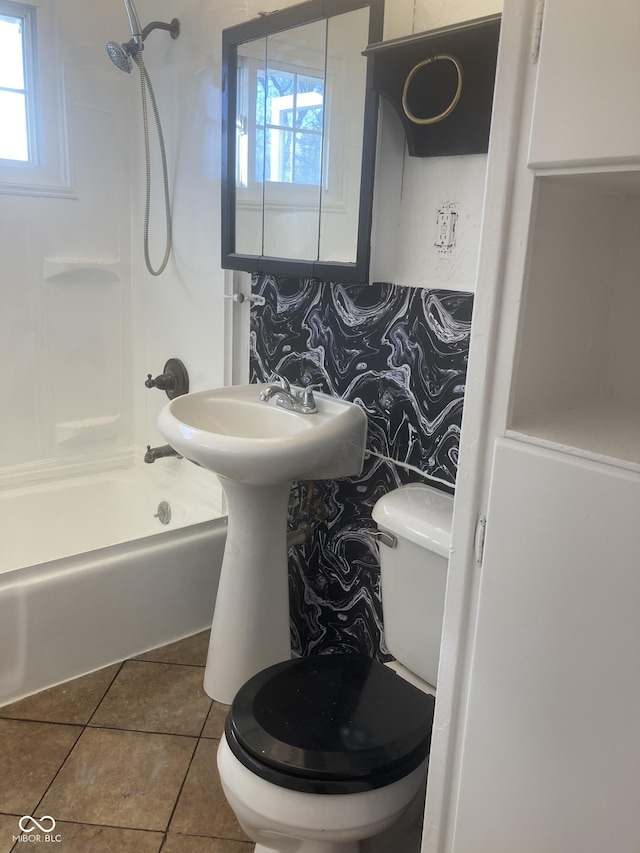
(86, 429)
(81, 270)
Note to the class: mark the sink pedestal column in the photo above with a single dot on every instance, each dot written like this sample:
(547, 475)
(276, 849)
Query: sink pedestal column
(251, 620)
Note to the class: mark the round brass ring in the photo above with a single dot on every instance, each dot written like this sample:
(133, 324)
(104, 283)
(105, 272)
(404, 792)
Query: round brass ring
(456, 97)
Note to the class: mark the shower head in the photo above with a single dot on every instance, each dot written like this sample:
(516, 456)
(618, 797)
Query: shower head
(120, 56)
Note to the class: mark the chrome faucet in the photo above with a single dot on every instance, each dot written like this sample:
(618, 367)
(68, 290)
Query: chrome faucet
(302, 402)
(271, 390)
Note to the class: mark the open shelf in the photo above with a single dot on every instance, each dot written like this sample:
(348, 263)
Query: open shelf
(577, 378)
(465, 130)
(602, 429)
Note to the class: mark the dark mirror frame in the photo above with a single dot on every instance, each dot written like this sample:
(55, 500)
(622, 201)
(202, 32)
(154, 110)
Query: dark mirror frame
(275, 22)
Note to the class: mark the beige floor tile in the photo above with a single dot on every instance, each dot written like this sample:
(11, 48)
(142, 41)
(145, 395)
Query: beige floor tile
(8, 829)
(72, 702)
(191, 650)
(214, 726)
(80, 838)
(31, 754)
(202, 808)
(155, 697)
(195, 844)
(117, 778)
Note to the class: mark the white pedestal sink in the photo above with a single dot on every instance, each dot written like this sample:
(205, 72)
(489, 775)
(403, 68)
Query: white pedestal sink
(258, 449)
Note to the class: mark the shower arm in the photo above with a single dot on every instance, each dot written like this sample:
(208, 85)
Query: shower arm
(133, 48)
(173, 28)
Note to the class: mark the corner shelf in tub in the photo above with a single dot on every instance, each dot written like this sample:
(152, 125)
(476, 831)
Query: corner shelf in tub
(100, 427)
(81, 270)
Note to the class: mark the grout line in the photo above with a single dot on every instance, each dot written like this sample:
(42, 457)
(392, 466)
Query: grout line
(114, 728)
(175, 805)
(43, 723)
(105, 825)
(206, 718)
(57, 773)
(249, 844)
(107, 689)
(165, 662)
(11, 849)
(110, 826)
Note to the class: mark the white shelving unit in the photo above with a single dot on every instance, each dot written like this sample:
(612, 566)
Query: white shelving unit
(576, 382)
(535, 741)
(588, 84)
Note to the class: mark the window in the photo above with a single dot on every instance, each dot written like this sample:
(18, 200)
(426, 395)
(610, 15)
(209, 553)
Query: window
(289, 117)
(17, 83)
(282, 111)
(33, 138)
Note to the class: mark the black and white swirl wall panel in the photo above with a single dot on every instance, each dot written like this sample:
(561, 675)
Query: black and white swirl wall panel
(401, 354)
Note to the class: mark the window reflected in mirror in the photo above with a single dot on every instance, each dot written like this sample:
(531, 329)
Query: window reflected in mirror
(295, 142)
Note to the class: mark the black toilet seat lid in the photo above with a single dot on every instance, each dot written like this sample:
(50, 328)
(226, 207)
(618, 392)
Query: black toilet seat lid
(330, 724)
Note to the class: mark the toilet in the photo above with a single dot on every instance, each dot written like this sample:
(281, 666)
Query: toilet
(320, 753)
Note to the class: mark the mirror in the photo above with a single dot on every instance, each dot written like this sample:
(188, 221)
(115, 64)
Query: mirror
(299, 128)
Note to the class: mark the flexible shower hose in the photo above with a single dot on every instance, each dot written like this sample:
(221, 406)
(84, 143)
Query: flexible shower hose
(145, 82)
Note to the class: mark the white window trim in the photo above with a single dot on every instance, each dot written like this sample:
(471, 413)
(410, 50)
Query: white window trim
(287, 196)
(48, 173)
(30, 76)
(279, 193)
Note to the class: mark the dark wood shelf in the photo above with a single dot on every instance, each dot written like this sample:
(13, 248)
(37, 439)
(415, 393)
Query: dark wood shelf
(466, 129)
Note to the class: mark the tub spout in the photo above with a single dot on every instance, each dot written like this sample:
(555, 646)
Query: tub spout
(154, 453)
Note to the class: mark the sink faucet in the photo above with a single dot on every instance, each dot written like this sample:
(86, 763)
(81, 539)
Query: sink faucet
(297, 401)
(271, 390)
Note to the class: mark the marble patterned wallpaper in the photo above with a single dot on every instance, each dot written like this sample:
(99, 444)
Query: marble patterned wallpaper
(401, 354)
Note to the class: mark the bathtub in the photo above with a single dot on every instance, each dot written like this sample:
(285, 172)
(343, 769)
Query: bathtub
(90, 575)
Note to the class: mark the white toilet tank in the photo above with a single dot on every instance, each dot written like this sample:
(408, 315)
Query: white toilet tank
(414, 573)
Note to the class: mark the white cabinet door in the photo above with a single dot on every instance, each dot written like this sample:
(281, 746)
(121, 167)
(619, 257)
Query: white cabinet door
(587, 103)
(551, 751)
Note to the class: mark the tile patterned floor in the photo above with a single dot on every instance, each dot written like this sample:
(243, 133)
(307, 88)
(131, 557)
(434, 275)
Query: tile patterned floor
(124, 760)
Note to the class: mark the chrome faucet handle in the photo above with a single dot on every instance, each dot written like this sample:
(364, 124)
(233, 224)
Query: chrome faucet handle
(281, 379)
(307, 399)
